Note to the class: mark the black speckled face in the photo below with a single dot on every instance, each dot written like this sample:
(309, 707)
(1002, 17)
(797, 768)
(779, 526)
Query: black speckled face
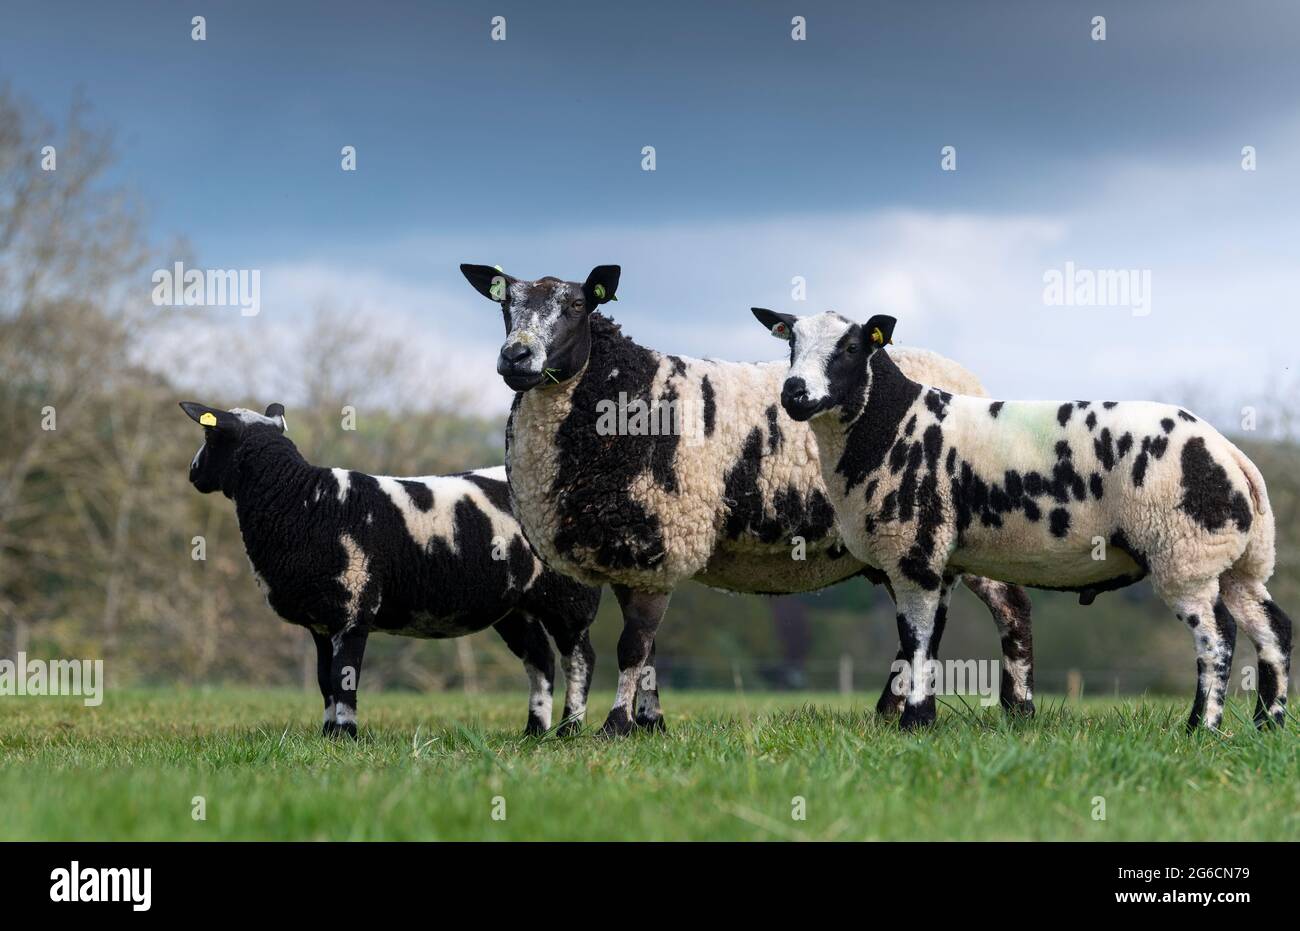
(548, 336)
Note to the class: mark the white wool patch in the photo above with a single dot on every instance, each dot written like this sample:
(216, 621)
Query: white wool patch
(344, 479)
(355, 575)
(440, 520)
(253, 417)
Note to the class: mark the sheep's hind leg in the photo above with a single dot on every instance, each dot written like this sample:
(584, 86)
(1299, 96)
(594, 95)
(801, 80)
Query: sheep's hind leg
(642, 612)
(1215, 632)
(527, 640)
(918, 611)
(345, 675)
(324, 663)
(1269, 630)
(1011, 610)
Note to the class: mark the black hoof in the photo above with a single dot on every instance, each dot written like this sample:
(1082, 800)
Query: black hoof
(534, 728)
(652, 725)
(328, 729)
(348, 730)
(890, 705)
(569, 728)
(917, 716)
(618, 724)
(1264, 721)
(1019, 709)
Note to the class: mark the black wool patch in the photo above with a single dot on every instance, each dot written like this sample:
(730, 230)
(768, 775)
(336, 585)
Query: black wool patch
(1139, 469)
(1091, 421)
(996, 408)
(594, 473)
(421, 494)
(1059, 521)
(1095, 485)
(496, 491)
(1186, 416)
(774, 436)
(1104, 449)
(1064, 412)
(1208, 495)
(936, 403)
(1167, 425)
(872, 433)
(710, 405)
(1124, 444)
(1109, 404)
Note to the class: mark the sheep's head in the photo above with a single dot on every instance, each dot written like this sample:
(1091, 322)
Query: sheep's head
(548, 333)
(223, 431)
(828, 359)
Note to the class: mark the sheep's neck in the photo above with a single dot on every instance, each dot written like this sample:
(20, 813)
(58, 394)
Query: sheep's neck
(856, 442)
(268, 476)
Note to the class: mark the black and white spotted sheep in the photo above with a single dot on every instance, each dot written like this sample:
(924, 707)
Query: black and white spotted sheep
(1075, 495)
(344, 553)
(721, 496)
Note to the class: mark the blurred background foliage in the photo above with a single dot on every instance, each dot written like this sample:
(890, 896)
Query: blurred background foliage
(98, 521)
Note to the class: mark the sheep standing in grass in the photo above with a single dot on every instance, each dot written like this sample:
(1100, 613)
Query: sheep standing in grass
(728, 492)
(343, 554)
(928, 484)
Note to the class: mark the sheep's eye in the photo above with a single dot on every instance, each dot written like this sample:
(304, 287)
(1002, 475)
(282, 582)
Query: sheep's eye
(579, 304)
(852, 347)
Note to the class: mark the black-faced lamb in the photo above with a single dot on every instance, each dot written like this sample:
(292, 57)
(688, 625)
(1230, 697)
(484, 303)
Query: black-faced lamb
(343, 553)
(1074, 495)
(716, 484)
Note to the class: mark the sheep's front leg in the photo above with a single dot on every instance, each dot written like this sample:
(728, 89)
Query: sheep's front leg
(649, 716)
(324, 665)
(918, 611)
(345, 675)
(642, 612)
(894, 697)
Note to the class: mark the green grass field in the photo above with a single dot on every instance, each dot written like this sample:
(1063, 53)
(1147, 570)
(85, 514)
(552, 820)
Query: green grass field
(429, 766)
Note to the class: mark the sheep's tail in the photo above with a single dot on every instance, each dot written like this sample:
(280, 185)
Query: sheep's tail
(1257, 560)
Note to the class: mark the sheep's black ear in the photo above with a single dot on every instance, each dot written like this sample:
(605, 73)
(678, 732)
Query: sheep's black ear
(602, 283)
(488, 281)
(276, 412)
(880, 330)
(213, 417)
(779, 325)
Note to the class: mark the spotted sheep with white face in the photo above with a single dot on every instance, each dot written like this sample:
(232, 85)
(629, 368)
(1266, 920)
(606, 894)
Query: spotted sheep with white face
(649, 511)
(344, 553)
(927, 484)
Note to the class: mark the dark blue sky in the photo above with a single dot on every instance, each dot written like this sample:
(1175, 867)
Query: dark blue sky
(528, 150)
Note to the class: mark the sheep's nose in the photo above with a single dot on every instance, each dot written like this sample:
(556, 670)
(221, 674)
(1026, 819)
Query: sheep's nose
(515, 354)
(794, 391)
(795, 400)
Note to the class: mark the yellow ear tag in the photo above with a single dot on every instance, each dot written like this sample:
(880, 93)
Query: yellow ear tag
(877, 337)
(600, 292)
(209, 419)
